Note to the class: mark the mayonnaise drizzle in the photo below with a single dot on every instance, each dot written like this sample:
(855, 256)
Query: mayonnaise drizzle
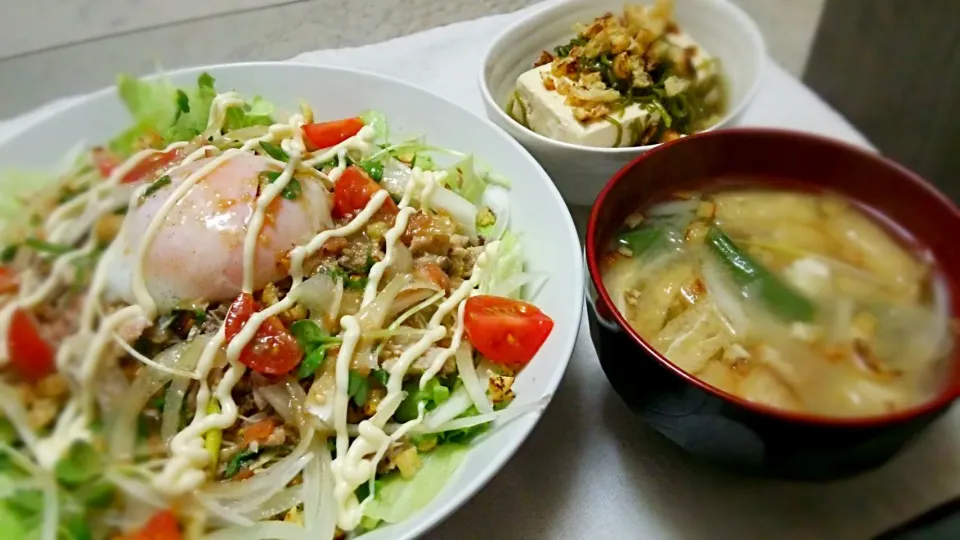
(352, 467)
(184, 471)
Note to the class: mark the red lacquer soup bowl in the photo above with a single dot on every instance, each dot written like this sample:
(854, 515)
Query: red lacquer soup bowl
(709, 422)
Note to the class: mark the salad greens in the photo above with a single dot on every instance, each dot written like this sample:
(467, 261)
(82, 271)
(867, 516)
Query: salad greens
(162, 111)
(397, 498)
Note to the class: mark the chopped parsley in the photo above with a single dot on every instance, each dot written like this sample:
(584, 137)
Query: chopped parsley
(8, 253)
(183, 104)
(358, 388)
(315, 342)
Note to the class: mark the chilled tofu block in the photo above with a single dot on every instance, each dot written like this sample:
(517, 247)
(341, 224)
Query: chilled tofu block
(545, 112)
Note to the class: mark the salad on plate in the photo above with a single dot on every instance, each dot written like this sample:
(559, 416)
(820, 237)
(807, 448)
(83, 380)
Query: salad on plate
(230, 322)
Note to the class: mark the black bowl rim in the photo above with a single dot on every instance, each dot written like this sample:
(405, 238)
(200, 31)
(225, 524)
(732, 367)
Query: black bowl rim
(943, 400)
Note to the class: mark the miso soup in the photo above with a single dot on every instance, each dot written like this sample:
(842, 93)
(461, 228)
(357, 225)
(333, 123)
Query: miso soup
(795, 300)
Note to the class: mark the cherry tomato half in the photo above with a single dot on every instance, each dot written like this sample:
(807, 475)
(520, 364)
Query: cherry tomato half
(8, 281)
(149, 168)
(506, 331)
(327, 134)
(161, 526)
(354, 190)
(273, 350)
(30, 354)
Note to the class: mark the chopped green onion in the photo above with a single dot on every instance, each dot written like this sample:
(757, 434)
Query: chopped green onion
(619, 127)
(779, 297)
(292, 190)
(213, 438)
(643, 238)
(274, 151)
(374, 169)
(381, 376)
(47, 247)
(154, 187)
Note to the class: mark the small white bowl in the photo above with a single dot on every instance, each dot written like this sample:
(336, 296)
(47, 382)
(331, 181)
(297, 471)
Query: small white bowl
(580, 172)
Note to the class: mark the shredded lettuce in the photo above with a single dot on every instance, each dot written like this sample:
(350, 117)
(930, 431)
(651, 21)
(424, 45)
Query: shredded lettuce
(259, 112)
(378, 122)
(159, 109)
(398, 498)
(16, 186)
(464, 180)
(507, 264)
(11, 524)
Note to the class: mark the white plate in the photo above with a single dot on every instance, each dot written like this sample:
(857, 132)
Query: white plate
(538, 213)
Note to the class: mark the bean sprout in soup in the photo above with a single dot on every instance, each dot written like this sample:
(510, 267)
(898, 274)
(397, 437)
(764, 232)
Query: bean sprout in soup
(790, 299)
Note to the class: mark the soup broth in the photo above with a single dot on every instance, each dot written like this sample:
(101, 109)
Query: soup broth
(795, 300)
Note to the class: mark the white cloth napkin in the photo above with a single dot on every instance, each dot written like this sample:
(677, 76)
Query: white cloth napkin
(590, 470)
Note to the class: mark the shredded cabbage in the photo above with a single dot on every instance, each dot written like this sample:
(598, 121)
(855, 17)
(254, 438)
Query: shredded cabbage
(259, 112)
(507, 264)
(378, 122)
(398, 498)
(464, 181)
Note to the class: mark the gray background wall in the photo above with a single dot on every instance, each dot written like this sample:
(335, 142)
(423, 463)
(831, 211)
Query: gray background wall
(52, 48)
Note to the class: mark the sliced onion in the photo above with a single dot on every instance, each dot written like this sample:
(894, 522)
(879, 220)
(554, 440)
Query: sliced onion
(337, 300)
(318, 294)
(471, 380)
(460, 209)
(512, 287)
(111, 386)
(396, 175)
(401, 262)
(325, 525)
(312, 476)
(135, 489)
(372, 316)
(225, 514)
(283, 501)
(512, 412)
(172, 407)
(122, 434)
(458, 404)
(270, 481)
(288, 404)
(280, 481)
(365, 359)
(672, 208)
(274, 530)
(414, 294)
(727, 299)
